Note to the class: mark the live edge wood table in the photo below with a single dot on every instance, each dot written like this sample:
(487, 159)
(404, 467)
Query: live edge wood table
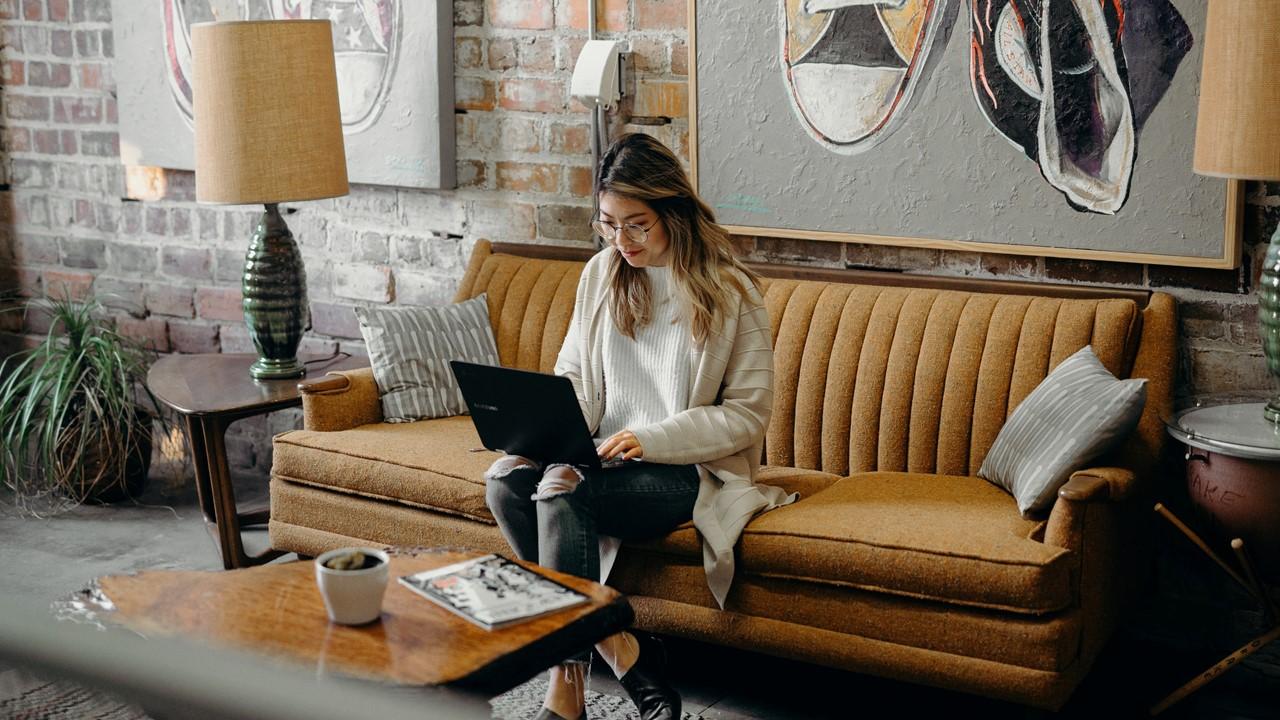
(211, 391)
(276, 610)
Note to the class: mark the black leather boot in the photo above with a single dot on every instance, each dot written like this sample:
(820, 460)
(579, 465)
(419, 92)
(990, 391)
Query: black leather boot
(646, 682)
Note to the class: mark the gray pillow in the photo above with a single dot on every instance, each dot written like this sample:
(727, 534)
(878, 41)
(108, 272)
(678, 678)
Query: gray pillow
(410, 349)
(1076, 414)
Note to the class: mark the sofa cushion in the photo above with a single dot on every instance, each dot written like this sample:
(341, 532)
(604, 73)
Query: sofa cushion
(952, 539)
(796, 480)
(1043, 642)
(430, 463)
(684, 543)
(436, 464)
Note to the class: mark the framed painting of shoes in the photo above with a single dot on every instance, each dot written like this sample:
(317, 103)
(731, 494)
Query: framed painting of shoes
(1062, 128)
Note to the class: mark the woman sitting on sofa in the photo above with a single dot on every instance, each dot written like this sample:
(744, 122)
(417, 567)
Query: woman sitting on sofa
(670, 353)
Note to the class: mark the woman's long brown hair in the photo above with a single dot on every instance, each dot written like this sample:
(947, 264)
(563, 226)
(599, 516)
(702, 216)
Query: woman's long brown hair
(702, 259)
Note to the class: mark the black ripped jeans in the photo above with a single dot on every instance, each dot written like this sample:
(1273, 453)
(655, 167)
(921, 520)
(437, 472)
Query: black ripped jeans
(561, 528)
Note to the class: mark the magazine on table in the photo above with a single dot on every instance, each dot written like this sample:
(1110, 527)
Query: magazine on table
(492, 591)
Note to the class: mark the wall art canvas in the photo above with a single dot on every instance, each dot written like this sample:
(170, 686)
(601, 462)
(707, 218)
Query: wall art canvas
(1050, 127)
(394, 63)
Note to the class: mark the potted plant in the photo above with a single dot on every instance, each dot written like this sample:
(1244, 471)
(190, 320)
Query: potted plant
(75, 415)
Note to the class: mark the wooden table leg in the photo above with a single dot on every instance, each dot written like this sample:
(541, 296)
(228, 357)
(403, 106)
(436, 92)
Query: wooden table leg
(199, 458)
(227, 518)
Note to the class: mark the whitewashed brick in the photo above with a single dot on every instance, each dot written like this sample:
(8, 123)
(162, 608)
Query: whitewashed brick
(425, 288)
(446, 255)
(363, 282)
(423, 212)
(369, 203)
(502, 220)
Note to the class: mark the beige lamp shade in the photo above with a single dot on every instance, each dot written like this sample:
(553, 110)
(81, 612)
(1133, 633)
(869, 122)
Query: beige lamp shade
(267, 124)
(1238, 126)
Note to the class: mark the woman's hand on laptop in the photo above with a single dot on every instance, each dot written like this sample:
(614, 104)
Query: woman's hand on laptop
(622, 443)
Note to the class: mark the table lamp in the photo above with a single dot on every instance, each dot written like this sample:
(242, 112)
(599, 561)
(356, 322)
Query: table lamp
(1237, 133)
(268, 131)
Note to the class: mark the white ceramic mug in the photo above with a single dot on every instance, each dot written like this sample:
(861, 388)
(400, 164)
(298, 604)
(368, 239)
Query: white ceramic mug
(353, 597)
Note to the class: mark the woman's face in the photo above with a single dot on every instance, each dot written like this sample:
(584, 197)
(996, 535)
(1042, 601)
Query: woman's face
(618, 211)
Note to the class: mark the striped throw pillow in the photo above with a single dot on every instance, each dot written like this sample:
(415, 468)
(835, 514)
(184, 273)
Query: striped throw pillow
(1075, 415)
(410, 349)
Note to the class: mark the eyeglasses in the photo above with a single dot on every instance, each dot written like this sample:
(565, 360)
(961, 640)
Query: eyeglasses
(634, 233)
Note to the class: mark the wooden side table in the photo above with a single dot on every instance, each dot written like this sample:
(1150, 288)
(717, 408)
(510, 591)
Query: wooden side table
(1233, 479)
(211, 391)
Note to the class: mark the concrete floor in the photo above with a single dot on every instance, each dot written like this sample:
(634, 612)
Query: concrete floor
(48, 559)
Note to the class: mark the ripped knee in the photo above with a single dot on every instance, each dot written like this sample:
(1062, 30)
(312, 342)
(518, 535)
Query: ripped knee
(506, 465)
(558, 480)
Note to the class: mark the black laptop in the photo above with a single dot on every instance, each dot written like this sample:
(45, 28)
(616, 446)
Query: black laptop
(531, 414)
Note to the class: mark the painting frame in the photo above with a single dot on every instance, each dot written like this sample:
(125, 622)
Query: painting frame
(1224, 255)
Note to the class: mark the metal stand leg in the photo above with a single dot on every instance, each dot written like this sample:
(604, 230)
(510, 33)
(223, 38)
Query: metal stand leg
(1249, 581)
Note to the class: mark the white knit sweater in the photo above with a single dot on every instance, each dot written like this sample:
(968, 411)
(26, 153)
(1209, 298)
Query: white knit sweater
(722, 428)
(646, 379)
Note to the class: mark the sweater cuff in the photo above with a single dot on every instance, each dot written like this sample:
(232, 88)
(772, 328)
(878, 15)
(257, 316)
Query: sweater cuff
(652, 442)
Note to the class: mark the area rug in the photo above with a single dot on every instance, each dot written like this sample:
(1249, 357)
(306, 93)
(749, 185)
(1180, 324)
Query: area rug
(23, 697)
(525, 700)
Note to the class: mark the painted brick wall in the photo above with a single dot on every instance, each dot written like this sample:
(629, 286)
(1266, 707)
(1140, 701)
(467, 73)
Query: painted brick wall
(72, 220)
(523, 169)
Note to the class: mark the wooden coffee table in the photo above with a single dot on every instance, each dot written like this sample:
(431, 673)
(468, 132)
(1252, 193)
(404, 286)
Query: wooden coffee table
(276, 610)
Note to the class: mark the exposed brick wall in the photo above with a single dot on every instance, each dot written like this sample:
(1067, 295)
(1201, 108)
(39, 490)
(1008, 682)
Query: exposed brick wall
(524, 174)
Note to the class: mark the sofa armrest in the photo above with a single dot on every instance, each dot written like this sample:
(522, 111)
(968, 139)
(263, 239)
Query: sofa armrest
(340, 401)
(1101, 483)
(1089, 487)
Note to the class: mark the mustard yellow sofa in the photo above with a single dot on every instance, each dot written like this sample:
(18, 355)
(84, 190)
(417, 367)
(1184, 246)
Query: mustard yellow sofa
(897, 560)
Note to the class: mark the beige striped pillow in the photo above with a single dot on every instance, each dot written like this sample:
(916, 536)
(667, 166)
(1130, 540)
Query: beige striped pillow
(410, 349)
(1075, 415)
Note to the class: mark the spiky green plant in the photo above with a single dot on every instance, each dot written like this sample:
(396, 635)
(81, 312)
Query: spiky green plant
(75, 415)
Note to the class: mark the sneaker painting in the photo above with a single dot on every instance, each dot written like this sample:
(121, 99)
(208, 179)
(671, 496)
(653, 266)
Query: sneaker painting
(851, 66)
(1053, 77)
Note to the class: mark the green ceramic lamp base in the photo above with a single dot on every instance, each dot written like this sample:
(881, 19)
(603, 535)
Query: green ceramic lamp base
(275, 298)
(1272, 410)
(266, 369)
(1269, 319)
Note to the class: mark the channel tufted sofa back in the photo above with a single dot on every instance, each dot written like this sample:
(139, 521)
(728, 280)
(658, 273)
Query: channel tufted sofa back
(919, 380)
(878, 377)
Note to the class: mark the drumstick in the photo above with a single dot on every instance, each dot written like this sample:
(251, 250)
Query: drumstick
(1191, 535)
(1238, 546)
